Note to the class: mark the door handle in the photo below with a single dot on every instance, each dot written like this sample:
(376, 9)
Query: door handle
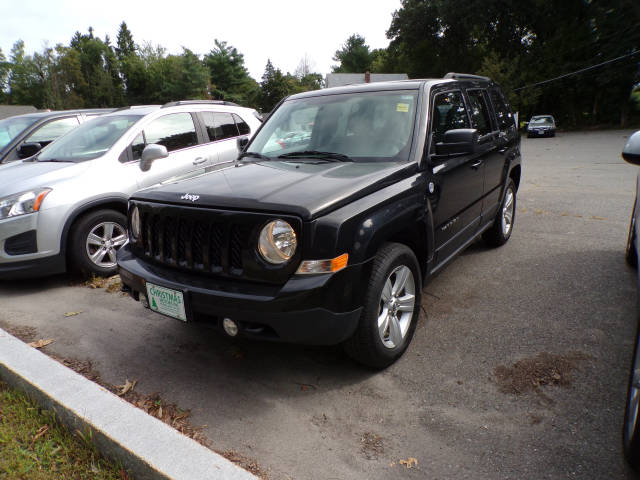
(199, 160)
(476, 165)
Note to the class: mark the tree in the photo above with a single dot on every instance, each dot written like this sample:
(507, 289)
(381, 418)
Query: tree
(124, 41)
(354, 56)
(274, 87)
(5, 68)
(23, 78)
(523, 43)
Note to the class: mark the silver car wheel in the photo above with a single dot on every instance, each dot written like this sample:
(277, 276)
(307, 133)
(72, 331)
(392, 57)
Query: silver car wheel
(507, 212)
(397, 303)
(103, 242)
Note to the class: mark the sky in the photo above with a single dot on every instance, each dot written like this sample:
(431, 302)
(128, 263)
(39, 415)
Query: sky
(281, 30)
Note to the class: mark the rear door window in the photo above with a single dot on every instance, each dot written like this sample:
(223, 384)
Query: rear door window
(480, 117)
(503, 113)
(219, 126)
(174, 131)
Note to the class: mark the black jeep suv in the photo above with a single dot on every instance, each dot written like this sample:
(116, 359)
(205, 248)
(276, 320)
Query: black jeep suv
(344, 203)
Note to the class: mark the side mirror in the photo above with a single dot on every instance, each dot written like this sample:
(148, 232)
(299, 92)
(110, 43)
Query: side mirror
(152, 152)
(28, 149)
(242, 143)
(459, 141)
(631, 151)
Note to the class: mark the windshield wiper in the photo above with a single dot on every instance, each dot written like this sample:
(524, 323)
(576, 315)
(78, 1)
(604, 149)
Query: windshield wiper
(338, 157)
(253, 154)
(54, 160)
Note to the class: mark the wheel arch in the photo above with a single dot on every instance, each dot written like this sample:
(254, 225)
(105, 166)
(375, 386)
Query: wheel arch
(118, 204)
(514, 174)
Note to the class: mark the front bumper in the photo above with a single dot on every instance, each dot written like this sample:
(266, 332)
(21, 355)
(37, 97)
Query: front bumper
(541, 132)
(37, 256)
(313, 309)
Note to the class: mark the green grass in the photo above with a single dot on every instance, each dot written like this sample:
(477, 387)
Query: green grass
(34, 445)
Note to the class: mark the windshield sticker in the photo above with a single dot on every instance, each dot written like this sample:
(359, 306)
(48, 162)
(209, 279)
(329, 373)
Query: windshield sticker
(402, 107)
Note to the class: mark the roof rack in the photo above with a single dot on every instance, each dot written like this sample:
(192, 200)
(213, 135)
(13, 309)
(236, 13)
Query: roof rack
(131, 107)
(467, 76)
(195, 102)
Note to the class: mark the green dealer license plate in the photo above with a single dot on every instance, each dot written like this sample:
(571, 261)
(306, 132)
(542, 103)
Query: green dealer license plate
(167, 301)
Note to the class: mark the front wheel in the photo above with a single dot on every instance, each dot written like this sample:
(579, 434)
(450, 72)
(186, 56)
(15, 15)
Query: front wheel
(500, 232)
(391, 308)
(95, 239)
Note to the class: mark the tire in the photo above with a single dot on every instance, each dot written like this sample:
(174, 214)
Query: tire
(631, 427)
(102, 233)
(631, 254)
(500, 232)
(387, 302)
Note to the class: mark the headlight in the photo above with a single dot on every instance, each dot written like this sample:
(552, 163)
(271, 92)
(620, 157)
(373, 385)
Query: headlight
(22, 203)
(135, 223)
(277, 242)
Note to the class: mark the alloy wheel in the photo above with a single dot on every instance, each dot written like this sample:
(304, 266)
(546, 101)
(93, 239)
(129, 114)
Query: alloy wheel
(396, 306)
(103, 242)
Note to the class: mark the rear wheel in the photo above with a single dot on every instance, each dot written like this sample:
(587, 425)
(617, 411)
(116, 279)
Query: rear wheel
(95, 239)
(391, 308)
(500, 232)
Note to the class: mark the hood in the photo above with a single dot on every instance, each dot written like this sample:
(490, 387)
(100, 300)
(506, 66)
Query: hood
(306, 189)
(20, 176)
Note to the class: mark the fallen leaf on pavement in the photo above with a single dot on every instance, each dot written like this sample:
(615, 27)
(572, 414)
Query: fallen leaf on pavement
(409, 462)
(127, 387)
(41, 343)
(71, 314)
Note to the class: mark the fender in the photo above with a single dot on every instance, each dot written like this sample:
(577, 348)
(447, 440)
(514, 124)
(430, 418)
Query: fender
(117, 201)
(398, 212)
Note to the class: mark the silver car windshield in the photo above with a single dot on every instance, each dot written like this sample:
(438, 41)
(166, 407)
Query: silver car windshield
(361, 127)
(542, 121)
(11, 127)
(90, 140)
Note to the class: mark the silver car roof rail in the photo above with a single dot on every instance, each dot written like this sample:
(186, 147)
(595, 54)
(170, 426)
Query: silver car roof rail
(203, 102)
(466, 76)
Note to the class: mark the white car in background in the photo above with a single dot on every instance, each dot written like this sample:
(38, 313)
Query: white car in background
(66, 206)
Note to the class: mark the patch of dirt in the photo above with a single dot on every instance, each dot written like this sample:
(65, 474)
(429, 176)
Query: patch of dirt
(529, 374)
(372, 445)
(111, 284)
(158, 407)
(24, 333)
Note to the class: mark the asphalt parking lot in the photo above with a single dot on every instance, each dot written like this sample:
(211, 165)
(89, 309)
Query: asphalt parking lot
(454, 406)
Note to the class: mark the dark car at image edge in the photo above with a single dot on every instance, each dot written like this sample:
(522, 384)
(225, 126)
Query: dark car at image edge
(331, 239)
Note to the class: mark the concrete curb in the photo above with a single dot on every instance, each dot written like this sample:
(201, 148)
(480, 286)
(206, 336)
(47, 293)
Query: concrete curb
(147, 447)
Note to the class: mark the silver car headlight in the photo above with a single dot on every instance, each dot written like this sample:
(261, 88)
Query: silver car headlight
(135, 223)
(22, 203)
(277, 242)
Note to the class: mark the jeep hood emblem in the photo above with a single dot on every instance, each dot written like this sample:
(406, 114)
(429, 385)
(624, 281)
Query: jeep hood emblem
(188, 196)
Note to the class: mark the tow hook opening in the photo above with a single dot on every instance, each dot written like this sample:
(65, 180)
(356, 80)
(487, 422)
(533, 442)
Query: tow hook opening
(230, 327)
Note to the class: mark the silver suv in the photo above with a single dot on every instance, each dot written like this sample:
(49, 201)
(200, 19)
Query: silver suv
(66, 207)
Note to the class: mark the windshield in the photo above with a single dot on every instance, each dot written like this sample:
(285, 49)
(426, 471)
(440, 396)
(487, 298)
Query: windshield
(11, 127)
(90, 140)
(376, 126)
(542, 120)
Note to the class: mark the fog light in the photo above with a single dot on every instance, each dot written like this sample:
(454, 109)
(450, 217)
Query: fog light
(230, 327)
